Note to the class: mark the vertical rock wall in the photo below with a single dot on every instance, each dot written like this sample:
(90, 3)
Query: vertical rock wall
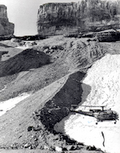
(6, 28)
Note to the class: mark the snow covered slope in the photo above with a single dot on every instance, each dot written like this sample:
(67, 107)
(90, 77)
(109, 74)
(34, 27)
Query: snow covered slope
(104, 79)
(9, 104)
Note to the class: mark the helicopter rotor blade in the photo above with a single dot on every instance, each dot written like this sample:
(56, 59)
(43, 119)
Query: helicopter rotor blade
(92, 106)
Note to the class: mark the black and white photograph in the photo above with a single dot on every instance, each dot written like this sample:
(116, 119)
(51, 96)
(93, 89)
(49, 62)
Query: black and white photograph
(59, 76)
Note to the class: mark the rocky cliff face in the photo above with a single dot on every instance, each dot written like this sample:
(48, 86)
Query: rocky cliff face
(86, 15)
(6, 28)
(56, 18)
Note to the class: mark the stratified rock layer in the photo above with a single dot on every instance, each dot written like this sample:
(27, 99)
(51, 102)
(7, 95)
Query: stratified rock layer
(92, 15)
(6, 27)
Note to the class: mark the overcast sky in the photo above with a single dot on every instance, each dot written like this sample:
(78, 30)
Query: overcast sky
(23, 13)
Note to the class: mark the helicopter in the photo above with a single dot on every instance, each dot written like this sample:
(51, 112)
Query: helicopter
(101, 114)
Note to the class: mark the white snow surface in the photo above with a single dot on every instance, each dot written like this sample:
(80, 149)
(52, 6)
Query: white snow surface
(9, 104)
(104, 79)
(22, 47)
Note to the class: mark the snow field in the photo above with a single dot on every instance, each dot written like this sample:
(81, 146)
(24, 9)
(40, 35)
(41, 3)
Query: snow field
(104, 79)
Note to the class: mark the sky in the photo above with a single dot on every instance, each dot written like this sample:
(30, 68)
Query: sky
(23, 13)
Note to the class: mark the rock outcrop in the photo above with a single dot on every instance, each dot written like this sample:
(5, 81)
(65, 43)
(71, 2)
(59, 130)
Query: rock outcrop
(92, 15)
(6, 27)
(108, 35)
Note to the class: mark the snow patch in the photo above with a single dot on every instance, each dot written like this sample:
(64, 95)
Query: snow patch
(22, 47)
(9, 104)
